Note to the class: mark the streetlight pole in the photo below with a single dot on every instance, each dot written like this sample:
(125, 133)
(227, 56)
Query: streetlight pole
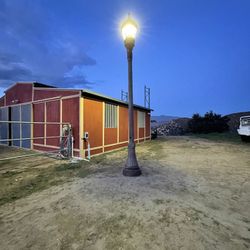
(129, 29)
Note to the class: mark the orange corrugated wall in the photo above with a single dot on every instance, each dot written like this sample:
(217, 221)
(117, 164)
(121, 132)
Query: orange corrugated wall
(93, 114)
(93, 124)
(148, 132)
(123, 124)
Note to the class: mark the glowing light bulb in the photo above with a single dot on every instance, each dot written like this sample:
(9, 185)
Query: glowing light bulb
(129, 29)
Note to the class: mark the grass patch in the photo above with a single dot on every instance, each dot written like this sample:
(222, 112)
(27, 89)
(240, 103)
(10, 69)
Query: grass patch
(84, 172)
(20, 178)
(151, 149)
(67, 167)
(5, 163)
(19, 184)
(9, 174)
(220, 137)
(27, 187)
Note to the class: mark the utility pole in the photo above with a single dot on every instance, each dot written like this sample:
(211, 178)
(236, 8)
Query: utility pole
(124, 96)
(146, 97)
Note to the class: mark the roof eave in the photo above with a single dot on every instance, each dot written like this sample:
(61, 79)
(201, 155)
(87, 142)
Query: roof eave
(94, 94)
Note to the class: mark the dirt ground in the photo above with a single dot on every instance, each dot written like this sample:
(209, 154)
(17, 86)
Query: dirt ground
(193, 194)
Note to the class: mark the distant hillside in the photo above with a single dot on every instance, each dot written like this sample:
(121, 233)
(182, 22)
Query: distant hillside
(234, 121)
(171, 125)
(163, 118)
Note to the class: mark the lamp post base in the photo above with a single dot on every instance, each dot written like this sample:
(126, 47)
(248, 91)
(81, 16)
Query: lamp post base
(131, 167)
(132, 172)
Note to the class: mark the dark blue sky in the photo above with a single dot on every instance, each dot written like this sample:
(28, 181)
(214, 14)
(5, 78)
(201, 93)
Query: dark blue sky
(194, 55)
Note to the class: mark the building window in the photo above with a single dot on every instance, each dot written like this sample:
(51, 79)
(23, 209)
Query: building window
(110, 116)
(141, 119)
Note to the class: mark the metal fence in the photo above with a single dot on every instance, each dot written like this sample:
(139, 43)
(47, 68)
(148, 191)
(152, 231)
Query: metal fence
(25, 134)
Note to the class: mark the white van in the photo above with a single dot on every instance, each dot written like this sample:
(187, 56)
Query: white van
(244, 129)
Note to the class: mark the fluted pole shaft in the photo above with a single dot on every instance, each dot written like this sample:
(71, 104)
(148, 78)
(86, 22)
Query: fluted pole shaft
(131, 167)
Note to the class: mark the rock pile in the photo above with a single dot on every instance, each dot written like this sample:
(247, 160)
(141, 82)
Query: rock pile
(170, 128)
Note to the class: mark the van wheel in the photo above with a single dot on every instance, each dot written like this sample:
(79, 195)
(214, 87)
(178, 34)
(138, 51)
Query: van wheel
(245, 138)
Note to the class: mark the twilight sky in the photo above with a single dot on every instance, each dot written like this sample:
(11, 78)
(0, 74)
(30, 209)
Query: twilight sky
(194, 55)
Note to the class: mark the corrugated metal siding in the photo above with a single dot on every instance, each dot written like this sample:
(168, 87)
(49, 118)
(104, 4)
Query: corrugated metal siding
(94, 152)
(2, 101)
(110, 136)
(40, 94)
(49, 112)
(26, 128)
(123, 124)
(110, 115)
(22, 92)
(135, 124)
(17, 130)
(53, 115)
(38, 116)
(141, 132)
(4, 127)
(70, 113)
(148, 132)
(15, 127)
(141, 119)
(115, 147)
(93, 124)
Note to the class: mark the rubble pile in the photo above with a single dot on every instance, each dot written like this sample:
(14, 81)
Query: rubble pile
(170, 128)
(173, 127)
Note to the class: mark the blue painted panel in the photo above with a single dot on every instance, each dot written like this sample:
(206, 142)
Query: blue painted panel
(4, 128)
(15, 127)
(26, 112)
(26, 128)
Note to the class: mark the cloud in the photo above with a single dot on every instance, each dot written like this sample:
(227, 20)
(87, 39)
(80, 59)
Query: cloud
(17, 70)
(35, 48)
(12, 66)
(6, 58)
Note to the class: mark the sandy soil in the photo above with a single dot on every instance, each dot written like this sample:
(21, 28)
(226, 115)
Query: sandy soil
(193, 194)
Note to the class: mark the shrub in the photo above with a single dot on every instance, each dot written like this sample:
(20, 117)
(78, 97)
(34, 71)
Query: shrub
(210, 122)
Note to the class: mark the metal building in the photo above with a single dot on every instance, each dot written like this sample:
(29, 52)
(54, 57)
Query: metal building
(36, 113)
